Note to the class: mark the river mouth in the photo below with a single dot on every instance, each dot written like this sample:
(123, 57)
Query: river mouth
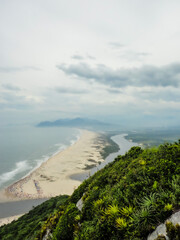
(124, 146)
(13, 208)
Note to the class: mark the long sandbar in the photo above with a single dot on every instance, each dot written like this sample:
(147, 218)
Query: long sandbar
(52, 177)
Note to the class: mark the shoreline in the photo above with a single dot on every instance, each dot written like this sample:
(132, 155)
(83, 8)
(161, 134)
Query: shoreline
(124, 145)
(52, 177)
(74, 177)
(7, 220)
(17, 208)
(42, 159)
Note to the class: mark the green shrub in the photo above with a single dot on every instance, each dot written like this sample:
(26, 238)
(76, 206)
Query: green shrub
(67, 223)
(126, 200)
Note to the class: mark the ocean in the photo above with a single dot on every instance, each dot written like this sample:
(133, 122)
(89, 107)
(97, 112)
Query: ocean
(24, 148)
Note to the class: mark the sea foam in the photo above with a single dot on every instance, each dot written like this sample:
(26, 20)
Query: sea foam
(19, 167)
(24, 168)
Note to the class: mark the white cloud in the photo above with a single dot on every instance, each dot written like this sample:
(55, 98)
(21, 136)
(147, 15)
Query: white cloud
(144, 76)
(123, 35)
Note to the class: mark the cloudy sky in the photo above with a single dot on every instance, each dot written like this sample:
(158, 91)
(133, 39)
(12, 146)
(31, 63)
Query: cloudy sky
(112, 60)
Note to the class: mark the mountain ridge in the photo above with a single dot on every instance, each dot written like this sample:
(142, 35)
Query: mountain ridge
(72, 122)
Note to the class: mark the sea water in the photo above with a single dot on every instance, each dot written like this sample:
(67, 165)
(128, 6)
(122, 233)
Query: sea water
(24, 148)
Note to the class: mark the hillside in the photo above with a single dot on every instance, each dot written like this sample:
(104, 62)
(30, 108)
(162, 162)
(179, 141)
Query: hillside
(125, 200)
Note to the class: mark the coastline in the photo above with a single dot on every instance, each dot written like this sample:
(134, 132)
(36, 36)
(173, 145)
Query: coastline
(69, 168)
(124, 146)
(52, 178)
(12, 209)
(4, 221)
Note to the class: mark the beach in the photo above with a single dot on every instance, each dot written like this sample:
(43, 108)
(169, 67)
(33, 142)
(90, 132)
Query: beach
(60, 174)
(52, 178)
(11, 210)
(7, 220)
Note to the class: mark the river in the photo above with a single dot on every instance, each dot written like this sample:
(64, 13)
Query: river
(124, 146)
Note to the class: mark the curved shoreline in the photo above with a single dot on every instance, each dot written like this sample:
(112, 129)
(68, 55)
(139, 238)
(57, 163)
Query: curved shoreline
(52, 177)
(75, 176)
(6, 197)
(24, 165)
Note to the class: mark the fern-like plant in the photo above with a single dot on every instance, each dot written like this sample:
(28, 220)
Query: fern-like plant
(143, 218)
(168, 207)
(148, 201)
(98, 203)
(176, 189)
(112, 211)
(121, 223)
(127, 211)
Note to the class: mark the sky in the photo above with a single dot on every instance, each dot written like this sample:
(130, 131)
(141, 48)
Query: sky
(111, 60)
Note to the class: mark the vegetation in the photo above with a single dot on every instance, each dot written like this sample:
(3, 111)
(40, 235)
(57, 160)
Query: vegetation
(109, 145)
(173, 232)
(154, 137)
(27, 226)
(125, 200)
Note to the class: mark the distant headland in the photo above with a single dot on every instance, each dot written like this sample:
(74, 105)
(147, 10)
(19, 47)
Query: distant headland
(74, 122)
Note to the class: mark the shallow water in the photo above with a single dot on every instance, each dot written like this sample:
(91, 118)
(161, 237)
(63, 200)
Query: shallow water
(14, 208)
(24, 148)
(18, 207)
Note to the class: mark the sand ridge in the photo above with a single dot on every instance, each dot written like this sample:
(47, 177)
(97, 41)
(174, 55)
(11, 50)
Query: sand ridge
(52, 177)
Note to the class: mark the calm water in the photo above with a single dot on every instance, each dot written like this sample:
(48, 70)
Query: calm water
(24, 148)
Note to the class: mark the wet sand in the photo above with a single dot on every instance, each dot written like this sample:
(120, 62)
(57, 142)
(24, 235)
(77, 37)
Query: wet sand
(52, 178)
(70, 165)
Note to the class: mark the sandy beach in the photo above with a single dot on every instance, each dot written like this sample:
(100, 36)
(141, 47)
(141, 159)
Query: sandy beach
(57, 175)
(52, 177)
(4, 221)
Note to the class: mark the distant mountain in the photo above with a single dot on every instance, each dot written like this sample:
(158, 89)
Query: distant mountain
(75, 122)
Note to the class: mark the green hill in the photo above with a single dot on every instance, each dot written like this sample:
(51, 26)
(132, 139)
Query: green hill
(125, 200)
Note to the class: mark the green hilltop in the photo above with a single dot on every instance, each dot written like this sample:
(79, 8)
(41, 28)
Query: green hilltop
(125, 200)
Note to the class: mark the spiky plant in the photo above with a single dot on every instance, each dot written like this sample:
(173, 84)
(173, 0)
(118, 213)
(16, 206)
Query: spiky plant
(112, 211)
(176, 182)
(127, 211)
(168, 207)
(121, 223)
(176, 190)
(163, 196)
(148, 201)
(98, 203)
(143, 218)
(98, 206)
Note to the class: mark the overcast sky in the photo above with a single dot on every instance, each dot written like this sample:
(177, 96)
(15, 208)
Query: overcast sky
(113, 60)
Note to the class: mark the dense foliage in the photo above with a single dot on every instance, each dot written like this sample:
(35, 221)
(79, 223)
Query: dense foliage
(125, 200)
(27, 226)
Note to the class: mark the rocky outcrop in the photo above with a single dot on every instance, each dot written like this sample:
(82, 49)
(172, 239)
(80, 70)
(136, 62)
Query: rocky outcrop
(161, 229)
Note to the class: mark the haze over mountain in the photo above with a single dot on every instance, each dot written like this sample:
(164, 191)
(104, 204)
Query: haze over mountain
(112, 60)
(75, 122)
